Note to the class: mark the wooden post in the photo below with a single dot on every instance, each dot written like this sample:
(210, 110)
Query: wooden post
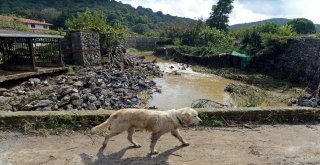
(31, 52)
(60, 52)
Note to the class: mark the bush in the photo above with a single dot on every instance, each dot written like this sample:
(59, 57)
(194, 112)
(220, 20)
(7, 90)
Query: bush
(13, 24)
(273, 44)
(268, 37)
(286, 30)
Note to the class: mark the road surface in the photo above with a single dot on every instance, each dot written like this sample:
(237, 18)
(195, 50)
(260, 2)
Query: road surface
(283, 144)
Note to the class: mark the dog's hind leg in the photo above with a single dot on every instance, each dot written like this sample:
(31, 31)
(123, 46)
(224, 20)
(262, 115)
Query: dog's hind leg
(108, 136)
(154, 138)
(130, 138)
(176, 134)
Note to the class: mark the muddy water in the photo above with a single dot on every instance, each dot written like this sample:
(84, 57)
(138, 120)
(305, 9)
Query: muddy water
(181, 90)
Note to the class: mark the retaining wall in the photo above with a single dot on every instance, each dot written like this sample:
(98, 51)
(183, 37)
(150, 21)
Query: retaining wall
(227, 116)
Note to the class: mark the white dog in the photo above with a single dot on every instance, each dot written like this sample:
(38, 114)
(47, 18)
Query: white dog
(157, 122)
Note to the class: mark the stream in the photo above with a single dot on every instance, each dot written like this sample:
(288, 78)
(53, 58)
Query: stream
(180, 87)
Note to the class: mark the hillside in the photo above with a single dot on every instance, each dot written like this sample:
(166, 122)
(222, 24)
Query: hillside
(278, 21)
(57, 11)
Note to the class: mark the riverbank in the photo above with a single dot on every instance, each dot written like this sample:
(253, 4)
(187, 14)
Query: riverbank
(257, 89)
(246, 89)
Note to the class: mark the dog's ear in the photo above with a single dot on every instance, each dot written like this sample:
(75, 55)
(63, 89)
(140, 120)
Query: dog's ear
(185, 116)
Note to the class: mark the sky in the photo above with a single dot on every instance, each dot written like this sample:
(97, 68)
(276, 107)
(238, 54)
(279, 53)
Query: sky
(244, 11)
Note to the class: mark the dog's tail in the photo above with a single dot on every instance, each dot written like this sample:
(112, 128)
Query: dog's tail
(101, 127)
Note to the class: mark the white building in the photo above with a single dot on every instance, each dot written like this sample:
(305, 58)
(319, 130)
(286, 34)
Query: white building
(33, 25)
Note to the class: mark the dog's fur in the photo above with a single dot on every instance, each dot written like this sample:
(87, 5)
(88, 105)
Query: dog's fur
(157, 122)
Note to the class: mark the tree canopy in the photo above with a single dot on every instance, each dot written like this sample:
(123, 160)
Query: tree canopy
(219, 16)
(302, 26)
(115, 13)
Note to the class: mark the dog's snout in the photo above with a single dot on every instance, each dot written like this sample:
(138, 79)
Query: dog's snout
(199, 119)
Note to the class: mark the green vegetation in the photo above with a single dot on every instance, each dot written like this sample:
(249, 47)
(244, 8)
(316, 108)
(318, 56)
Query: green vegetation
(13, 24)
(94, 20)
(219, 16)
(115, 13)
(198, 39)
(277, 21)
(302, 26)
(267, 37)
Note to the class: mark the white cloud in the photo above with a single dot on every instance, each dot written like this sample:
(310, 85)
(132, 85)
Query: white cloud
(244, 10)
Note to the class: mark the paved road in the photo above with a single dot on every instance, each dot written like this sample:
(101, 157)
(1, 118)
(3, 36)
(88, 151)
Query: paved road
(298, 144)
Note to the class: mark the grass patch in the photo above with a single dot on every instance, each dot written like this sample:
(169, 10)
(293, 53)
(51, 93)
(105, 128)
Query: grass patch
(28, 124)
(70, 69)
(211, 121)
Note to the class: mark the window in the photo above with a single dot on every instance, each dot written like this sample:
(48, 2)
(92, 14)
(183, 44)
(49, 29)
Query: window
(45, 26)
(33, 26)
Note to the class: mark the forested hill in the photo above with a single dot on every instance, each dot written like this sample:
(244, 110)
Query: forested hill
(57, 11)
(278, 21)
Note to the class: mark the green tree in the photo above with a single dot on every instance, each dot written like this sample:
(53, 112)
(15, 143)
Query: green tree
(140, 28)
(302, 26)
(49, 14)
(87, 20)
(219, 16)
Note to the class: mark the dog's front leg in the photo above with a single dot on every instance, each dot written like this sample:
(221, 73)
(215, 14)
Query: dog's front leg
(154, 138)
(176, 133)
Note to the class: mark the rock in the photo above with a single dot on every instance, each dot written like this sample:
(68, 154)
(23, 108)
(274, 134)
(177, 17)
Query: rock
(65, 90)
(55, 107)
(43, 103)
(34, 81)
(99, 82)
(78, 84)
(66, 99)
(104, 92)
(27, 107)
(92, 98)
(69, 107)
(97, 104)
(92, 106)
(7, 94)
(33, 93)
(45, 83)
(86, 91)
(2, 99)
(74, 91)
(47, 108)
(21, 92)
(77, 102)
(75, 96)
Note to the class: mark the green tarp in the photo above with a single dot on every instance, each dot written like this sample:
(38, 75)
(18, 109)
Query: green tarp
(245, 60)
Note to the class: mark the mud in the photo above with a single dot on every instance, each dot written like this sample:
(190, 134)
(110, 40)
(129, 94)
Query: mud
(285, 144)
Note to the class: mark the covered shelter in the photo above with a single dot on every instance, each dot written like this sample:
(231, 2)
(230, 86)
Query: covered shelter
(24, 51)
(27, 51)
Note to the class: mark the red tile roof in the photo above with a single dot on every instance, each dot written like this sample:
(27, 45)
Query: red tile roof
(24, 20)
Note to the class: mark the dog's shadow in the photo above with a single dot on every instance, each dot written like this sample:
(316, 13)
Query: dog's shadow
(115, 158)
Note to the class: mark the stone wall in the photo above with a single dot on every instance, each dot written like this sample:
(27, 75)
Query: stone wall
(142, 43)
(82, 48)
(300, 63)
(222, 60)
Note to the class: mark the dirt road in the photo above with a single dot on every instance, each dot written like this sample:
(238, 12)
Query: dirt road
(299, 144)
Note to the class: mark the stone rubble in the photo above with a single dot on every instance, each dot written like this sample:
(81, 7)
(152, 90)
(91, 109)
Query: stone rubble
(89, 88)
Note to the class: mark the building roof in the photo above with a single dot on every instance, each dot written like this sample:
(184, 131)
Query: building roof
(24, 20)
(11, 33)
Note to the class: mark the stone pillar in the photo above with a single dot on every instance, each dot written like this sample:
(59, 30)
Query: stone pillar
(86, 48)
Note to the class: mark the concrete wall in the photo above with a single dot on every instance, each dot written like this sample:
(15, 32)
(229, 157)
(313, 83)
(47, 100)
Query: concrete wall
(300, 63)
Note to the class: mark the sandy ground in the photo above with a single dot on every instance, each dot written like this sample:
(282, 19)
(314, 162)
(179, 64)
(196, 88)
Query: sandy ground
(298, 144)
